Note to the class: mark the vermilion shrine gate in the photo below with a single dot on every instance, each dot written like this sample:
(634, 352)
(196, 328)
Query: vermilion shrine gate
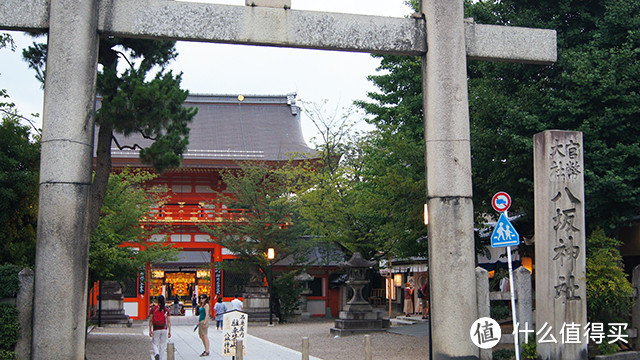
(226, 130)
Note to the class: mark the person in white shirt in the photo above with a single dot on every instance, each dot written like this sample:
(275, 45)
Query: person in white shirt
(236, 304)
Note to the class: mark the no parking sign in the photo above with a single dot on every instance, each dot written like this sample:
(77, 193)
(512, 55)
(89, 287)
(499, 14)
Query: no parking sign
(501, 201)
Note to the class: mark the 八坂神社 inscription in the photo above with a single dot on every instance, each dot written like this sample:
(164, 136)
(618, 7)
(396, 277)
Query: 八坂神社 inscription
(560, 239)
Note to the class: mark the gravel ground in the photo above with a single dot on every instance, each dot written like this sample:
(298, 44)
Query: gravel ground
(323, 345)
(110, 343)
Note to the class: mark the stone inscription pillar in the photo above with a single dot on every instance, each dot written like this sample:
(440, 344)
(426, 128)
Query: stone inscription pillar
(561, 296)
(449, 194)
(59, 322)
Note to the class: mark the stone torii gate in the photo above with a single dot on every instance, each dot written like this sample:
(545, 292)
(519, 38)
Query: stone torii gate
(68, 125)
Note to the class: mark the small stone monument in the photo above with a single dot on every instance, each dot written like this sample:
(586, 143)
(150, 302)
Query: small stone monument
(112, 306)
(256, 298)
(358, 315)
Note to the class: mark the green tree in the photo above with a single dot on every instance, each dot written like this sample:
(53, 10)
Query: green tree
(609, 292)
(393, 156)
(608, 289)
(363, 193)
(123, 222)
(132, 104)
(19, 162)
(591, 88)
(326, 197)
(260, 215)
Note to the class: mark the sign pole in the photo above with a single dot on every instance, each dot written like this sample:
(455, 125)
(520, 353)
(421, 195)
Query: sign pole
(513, 302)
(505, 235)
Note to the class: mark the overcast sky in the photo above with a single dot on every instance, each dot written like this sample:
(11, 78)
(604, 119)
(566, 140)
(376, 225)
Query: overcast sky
(314, 75)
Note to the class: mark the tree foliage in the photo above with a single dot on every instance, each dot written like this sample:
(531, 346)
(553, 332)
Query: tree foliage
(591, 88)
(357, 190)
(609, 292)
(123, 221)
(132, 104)
(393, 155)
(608, 289)
(19, 161)
(260, 215)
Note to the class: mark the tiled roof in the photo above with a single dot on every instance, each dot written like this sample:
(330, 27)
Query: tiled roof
(234, 127)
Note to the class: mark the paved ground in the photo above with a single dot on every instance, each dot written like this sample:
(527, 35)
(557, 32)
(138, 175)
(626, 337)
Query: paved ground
(134, 343)
(283, 341)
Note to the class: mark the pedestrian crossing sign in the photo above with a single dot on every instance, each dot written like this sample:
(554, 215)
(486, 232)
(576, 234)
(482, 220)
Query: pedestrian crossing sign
(504, 233)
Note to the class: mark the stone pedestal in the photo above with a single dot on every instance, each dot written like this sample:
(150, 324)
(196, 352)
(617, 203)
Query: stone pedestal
(351, 322)
(112, 306)
(358, 315)
(24, 302)
(256, 303)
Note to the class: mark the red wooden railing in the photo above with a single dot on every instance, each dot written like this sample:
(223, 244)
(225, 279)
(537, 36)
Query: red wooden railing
(193, 213)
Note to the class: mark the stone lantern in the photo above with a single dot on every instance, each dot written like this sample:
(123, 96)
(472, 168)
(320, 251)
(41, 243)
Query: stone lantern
(358, 316)
(357, 281)
(304, 280)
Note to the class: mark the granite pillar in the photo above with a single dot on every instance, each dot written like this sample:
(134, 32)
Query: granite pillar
(484, 304)
(561, 296)
(59, 321)
(24, 302)
(524, 300)
(449, 194)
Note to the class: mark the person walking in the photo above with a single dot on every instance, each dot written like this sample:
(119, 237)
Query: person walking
(220, 308)
(408, 300)
(159, 329)
(203, 323)
(425, 298)
(194, 304)
(236, 304)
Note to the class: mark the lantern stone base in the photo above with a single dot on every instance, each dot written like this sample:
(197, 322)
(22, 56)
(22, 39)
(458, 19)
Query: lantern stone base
(354, 322)
(256, 304)
(112, 313)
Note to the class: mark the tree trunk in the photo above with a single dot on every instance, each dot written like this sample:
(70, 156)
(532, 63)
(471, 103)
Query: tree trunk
(101, 177)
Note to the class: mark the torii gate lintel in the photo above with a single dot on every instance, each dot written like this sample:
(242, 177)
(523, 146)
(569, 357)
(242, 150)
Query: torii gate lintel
(161, 19)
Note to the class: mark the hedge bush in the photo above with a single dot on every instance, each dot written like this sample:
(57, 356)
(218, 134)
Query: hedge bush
(9, 283)
(7, 355)
(9, 326)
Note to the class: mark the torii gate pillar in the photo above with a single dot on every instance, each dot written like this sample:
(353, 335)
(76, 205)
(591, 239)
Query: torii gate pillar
(65, 181)
(448, 172)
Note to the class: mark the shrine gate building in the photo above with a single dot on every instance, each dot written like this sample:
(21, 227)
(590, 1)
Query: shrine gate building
(227, 129)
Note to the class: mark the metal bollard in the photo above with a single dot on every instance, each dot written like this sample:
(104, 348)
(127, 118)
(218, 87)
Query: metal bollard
(368, 354)
(171, 350)
(305, 348)
(239, 349)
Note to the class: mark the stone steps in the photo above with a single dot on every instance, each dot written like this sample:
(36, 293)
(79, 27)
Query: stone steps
(404, 320)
